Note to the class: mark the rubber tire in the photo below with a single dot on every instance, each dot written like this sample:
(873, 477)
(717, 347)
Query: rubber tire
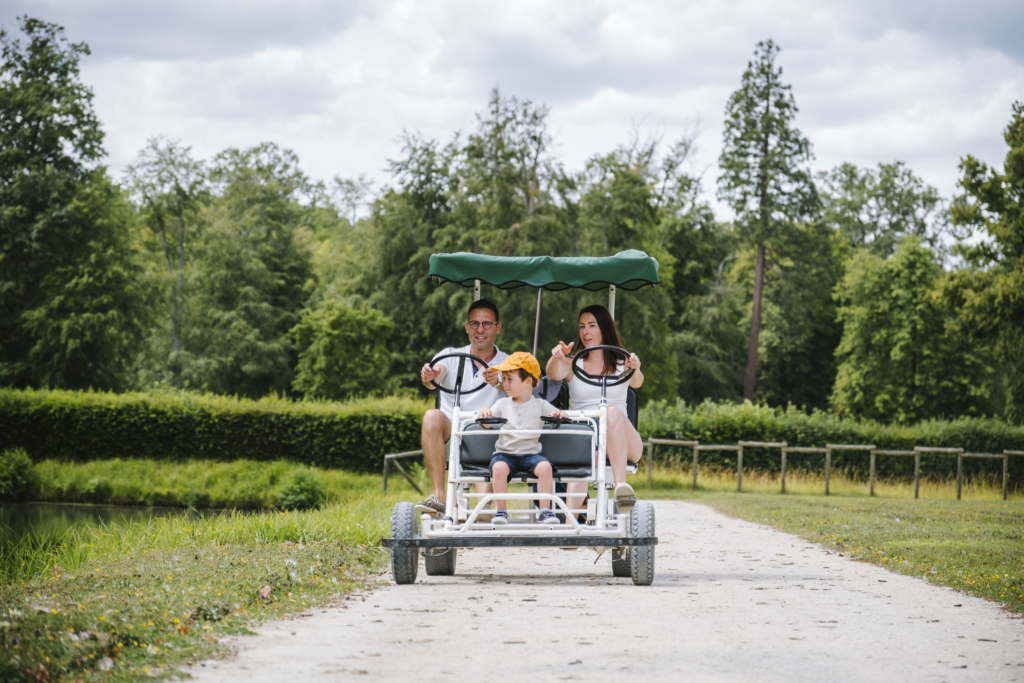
(621, 563)
(441, 564)
(404, 561)
(641, 525)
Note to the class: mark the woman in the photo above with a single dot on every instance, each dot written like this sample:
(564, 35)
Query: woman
(597, 328)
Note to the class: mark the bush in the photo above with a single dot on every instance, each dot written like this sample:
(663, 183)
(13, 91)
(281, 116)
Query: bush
(727, 423)
(303, 491)
(85, 426)
(17, 475)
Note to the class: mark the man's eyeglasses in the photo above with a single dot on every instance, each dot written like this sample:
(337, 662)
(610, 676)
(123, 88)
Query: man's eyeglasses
(476, 324)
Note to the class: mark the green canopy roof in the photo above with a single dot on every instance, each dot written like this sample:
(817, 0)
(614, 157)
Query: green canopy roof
(627, 270)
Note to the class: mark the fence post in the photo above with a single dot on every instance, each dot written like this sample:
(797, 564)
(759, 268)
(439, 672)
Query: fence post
(1006, 473)
(387, 466)
(828, 466)
(917, 473)
(872, 476)
(783, 469)
(695, 450)
(739, 469)
(650, 462)
(959, 471)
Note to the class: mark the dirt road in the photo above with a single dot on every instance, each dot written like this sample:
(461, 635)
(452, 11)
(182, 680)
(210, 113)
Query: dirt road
(731, 601)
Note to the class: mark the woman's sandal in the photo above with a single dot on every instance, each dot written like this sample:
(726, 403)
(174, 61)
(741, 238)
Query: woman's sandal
(625, 499)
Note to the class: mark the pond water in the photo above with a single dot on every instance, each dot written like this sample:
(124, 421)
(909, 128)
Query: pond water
(49, 519)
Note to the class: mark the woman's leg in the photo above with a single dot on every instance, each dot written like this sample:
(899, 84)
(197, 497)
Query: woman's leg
(624, 443)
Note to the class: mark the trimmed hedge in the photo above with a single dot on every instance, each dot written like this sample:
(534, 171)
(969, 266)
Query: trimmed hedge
(724, 423)
(83, 426)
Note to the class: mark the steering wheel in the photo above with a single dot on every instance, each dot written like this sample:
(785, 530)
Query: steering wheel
(600, 380)
(462, 364)
(490, 421)
(554, 420)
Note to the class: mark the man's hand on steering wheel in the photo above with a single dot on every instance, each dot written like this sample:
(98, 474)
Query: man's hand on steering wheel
(430, 374)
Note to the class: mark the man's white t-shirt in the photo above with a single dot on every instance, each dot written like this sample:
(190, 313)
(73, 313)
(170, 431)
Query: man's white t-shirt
(472, 378)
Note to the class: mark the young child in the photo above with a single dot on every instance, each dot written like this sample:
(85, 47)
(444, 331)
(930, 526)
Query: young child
(520, 373)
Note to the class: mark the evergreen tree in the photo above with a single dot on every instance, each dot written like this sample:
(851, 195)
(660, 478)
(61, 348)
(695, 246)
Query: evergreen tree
(764, 177)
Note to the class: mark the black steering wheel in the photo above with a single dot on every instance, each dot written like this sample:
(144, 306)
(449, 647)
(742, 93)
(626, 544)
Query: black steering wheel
(600, 380)
(462, 365)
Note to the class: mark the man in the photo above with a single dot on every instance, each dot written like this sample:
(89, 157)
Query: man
(482, 326)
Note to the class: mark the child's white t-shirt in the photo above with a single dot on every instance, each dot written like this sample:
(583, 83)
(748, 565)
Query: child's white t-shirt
(520, 416)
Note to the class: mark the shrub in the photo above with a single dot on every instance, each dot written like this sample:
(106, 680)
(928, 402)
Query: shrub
(17, 475)
(85, 426)
(302, 491)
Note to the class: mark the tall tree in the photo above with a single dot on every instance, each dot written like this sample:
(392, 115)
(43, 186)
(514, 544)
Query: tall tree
(171, 188)
(898, 364)
(987, 294)
(251, 278)
(69, 305)
(876, 209)
(764, 175)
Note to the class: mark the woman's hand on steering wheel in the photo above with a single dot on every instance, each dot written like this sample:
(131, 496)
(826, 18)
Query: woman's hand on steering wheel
(632, 363)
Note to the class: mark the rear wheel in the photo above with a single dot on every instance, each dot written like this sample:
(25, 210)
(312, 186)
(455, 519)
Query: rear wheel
(440, 561)
(404, 561)
(621, 562)
(641, 525)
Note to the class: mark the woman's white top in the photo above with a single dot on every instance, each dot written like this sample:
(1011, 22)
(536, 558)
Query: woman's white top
(584, 396)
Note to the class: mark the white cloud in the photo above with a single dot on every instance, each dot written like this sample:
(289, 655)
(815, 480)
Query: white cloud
(337, 82)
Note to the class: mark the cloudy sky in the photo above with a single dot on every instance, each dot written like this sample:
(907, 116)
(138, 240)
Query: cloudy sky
(921, 82)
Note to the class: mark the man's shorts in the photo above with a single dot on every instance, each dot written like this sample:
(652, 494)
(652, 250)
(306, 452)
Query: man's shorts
(521, 464)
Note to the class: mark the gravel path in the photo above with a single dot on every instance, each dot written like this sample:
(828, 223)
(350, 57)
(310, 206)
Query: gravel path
(731, 601)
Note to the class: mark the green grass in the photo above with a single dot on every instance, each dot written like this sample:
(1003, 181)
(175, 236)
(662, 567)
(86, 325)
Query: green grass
(975, 545)
(241, 484)
(129, 601)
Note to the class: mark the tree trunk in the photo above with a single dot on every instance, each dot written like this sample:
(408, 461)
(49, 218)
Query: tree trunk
(755, 324)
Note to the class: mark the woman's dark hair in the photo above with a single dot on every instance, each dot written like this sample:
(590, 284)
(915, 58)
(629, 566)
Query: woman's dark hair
(609, 336)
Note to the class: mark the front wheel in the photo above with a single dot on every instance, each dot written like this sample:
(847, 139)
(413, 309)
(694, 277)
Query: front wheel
(404, 561)
(621, 563)
(440, 561)
(641, 557)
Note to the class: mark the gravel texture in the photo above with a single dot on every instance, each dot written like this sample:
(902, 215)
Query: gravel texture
(731, 601)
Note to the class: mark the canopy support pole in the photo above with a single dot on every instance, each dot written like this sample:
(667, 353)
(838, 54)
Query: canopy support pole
(536, 323)
(611, 300)
(476, 290)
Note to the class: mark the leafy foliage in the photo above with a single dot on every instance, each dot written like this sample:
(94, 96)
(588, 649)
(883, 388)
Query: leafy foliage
(345, 352)
(897, 364)
(17, 476)
(71, 306)
(302, 491)
(80, 426)
(987, 296)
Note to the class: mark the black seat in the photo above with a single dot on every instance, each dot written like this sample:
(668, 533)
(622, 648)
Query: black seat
(570, 456)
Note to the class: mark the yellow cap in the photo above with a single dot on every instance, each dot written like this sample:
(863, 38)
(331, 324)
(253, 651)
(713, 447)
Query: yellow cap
(520, 359)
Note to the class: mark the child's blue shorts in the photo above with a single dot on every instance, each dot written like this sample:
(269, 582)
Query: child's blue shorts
(517, 463)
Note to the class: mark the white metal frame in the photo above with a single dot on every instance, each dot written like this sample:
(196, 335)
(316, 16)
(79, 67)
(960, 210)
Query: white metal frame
(461, 515)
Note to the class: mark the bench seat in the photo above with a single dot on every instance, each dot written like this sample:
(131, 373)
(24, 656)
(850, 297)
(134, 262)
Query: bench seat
(570, 456)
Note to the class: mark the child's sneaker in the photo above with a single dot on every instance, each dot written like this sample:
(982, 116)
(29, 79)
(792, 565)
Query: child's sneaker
(548, 517)
(500, 517)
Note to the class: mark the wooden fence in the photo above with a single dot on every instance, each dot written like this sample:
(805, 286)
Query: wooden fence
(827, 450)
(785, 448)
